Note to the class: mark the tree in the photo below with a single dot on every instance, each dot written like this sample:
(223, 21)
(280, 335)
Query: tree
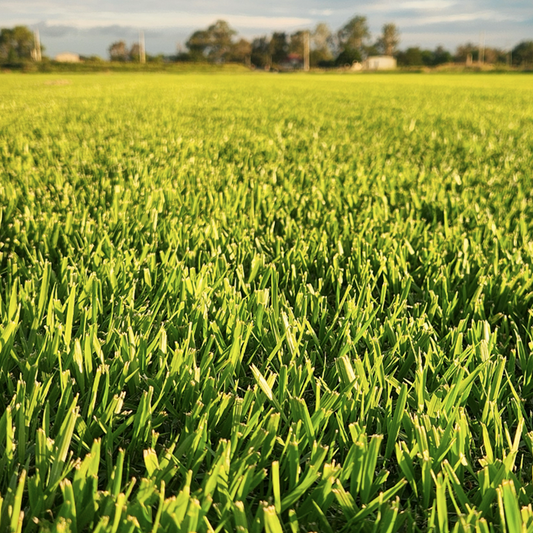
(118, 51)
(157, 58)
(322, 43)
(417, 57)
(463, 51)
(16, 44)
(428, 58)
(441, 56)
(354, 34)
(279, 47)
(389, 40)
(221, 35)
(411, 57)
(523, 53)
(93, 58)
(490, 55)
(260, 55)
(135, 52)
(347, 57)
(296, 43)
(495, 55)
(372, 50)
(241, 51)
(214, 43)
(198, 44)
(352, 38)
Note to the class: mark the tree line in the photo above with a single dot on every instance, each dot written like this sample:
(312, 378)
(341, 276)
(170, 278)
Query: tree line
(16, 44)
(219, 43)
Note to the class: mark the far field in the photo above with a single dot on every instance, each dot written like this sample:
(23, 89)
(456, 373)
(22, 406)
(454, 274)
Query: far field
(253, 302)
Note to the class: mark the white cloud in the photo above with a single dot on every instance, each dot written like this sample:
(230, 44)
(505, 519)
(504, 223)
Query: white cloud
(90, 24)
(427, 5)
(169, 19)
(322, 12)
(494, 16)
(410, 5)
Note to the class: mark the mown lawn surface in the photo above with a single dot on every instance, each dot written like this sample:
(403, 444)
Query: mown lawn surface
(266, 302)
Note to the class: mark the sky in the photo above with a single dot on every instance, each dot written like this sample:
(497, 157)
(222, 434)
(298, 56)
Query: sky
(88, 27)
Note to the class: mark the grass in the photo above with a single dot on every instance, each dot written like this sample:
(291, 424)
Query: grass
(126, 67)
(266, 303)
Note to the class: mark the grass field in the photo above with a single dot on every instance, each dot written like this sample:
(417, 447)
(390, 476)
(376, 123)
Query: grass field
(271, 303)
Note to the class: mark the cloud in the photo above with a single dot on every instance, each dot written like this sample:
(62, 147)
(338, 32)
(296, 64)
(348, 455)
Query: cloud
(494, 16)
(427, 5)
(410, 5)
(91, 24)
(172, 19)
(322, 12)
(55, 30)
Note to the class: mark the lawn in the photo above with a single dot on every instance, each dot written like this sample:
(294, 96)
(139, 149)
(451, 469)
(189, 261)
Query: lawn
(265, 302)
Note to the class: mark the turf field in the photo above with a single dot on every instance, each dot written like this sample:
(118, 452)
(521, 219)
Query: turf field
(259, 302)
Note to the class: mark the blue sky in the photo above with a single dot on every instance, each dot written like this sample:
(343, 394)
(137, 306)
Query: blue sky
(89, 26)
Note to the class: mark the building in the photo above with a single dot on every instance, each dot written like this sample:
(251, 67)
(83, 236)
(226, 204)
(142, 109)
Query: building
(67, 57)
(379, 63)
(293, 62)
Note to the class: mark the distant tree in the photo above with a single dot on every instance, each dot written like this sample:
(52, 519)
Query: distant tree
(372, 50)
(135, 52)
(417, 57)
(260, 55)
(463, 51)
(411, 57)
(157, 58)
(296, 43)
(118, 51)
(214, 43)
(222, 39)
(322, 44)
(198, 43)
(354, 34)
(16, 44)
(495, 55)
(441, 56)
(241, 52)
(279, 47)
(428, 57)
(523, 53)
(490, 55)
(348, 56)
(389, 39)
(183, 56)
(93, 58)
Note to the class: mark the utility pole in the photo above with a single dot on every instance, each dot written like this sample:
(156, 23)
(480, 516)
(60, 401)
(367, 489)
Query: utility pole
(306, 51)
(142, 53)
(508, 55)
(36, 46)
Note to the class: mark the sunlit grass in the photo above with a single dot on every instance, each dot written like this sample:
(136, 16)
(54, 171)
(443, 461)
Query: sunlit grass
(260, 302)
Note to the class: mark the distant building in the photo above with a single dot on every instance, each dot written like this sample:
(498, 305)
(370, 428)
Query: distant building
(293, 62)
(67, 57)
(379, 63)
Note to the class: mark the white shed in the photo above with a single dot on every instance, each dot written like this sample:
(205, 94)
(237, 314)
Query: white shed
(67, 57)
(379, 63)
